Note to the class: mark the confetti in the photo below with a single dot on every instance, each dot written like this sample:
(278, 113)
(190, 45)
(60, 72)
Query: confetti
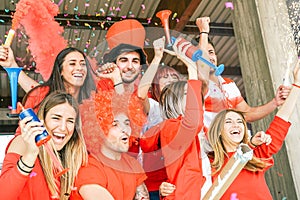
(108, 18)
(229, 5)
(174, 15)
(123, 16)
(6, 10)
(86, 24)
(143, 6)
(87, 5)
(32, 174)
(2, 21)
(76, 8)
(60, 2)
(118, 9)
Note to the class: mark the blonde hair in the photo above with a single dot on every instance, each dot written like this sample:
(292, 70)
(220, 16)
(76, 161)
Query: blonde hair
(72, 156)
(217, 138)
(171, 100)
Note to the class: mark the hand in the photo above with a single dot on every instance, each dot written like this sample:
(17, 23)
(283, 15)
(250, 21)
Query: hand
(7, 57)
(296, 73)
(260, 138)
(159, 46)
(165, 189)
(29, 130)
(110, 71)
(203, 24)
(281, 94)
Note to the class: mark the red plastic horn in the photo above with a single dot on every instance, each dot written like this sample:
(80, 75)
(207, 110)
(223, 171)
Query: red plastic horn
(163, 15)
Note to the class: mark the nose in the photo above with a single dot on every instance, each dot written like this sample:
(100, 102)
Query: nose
(125, 129)
(78, 66)
(63, 125)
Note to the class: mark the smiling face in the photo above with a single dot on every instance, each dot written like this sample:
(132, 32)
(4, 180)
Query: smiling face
(74, 69)
(234, 130)
(117, 140)
(60, 123)
(129, 64)
(167, 79)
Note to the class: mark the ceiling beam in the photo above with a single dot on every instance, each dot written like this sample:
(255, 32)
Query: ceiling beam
(185, 17)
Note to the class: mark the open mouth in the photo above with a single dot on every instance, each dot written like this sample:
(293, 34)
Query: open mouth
(58, 137)
(125, 139)
(78, 75)
(235, 132)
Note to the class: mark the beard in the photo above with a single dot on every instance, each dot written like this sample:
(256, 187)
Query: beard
(126, 80)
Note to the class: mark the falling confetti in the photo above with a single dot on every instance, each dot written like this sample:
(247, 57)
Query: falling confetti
(229, 5)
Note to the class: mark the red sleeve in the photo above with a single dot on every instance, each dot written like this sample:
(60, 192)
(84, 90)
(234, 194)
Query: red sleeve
(136, 169)
(150, 140)
(278, 130)
(105, 85)
(12, 181)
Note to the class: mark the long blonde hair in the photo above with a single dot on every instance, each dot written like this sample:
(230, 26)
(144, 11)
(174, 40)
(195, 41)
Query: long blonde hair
(72, 156)
(217, 139)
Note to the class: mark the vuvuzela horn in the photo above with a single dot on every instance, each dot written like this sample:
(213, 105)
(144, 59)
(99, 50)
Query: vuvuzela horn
(163, 15)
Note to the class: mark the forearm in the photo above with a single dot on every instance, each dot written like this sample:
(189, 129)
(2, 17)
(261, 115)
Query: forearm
(288, 106)
(147, 78)
(259, 112)
(26, 82)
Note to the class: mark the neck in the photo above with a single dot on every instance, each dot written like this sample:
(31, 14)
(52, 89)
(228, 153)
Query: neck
(74, 91)
(113, 155)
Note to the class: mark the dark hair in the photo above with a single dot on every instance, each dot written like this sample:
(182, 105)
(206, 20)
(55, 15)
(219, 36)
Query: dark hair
(56, 82)
(162, 71)
(195, 41)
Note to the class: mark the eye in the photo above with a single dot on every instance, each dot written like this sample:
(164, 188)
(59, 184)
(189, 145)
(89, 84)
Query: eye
(71, 121)
(114, 123)
(55, 118)
(240, 121)
(228, 121)
(127, 122)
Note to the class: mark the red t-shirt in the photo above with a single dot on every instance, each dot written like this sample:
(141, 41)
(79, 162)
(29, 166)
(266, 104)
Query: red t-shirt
(252, 185)
(119, 177)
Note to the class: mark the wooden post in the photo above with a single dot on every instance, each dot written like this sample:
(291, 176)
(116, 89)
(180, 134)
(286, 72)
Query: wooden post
(266, 48)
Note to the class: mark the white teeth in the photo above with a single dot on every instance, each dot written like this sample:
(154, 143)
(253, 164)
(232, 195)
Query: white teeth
(59, 134)
(78, 75)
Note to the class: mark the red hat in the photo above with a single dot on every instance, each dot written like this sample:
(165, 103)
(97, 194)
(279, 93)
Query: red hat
(128, 31)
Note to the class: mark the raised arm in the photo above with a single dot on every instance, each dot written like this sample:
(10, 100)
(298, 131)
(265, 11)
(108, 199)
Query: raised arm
(7, 60)
(288, 106)
(147, 78)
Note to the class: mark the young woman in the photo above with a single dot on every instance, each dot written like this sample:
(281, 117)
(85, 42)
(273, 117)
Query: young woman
(71, 73)
(176, 137)
(229, 129)
(28, 169)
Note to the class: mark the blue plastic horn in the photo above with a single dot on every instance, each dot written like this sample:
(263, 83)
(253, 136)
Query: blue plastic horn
(13, 75)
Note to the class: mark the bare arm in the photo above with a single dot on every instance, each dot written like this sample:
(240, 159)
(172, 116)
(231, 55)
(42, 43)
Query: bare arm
(259, 112)
(288, 106)
(111, 71)
(94, 192)
(7, 60)
(141, 192)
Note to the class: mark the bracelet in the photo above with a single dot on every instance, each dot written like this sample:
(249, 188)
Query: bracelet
(25, 164)
(252, 142)
(118, 84)
(21, 169)
(298, 86)
(204, 33)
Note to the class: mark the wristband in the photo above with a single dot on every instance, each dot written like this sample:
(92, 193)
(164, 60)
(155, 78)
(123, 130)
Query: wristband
(204, 32)
(118, 84)
(298, 86)
(23, 170)
(252, 142)
(25, 164)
